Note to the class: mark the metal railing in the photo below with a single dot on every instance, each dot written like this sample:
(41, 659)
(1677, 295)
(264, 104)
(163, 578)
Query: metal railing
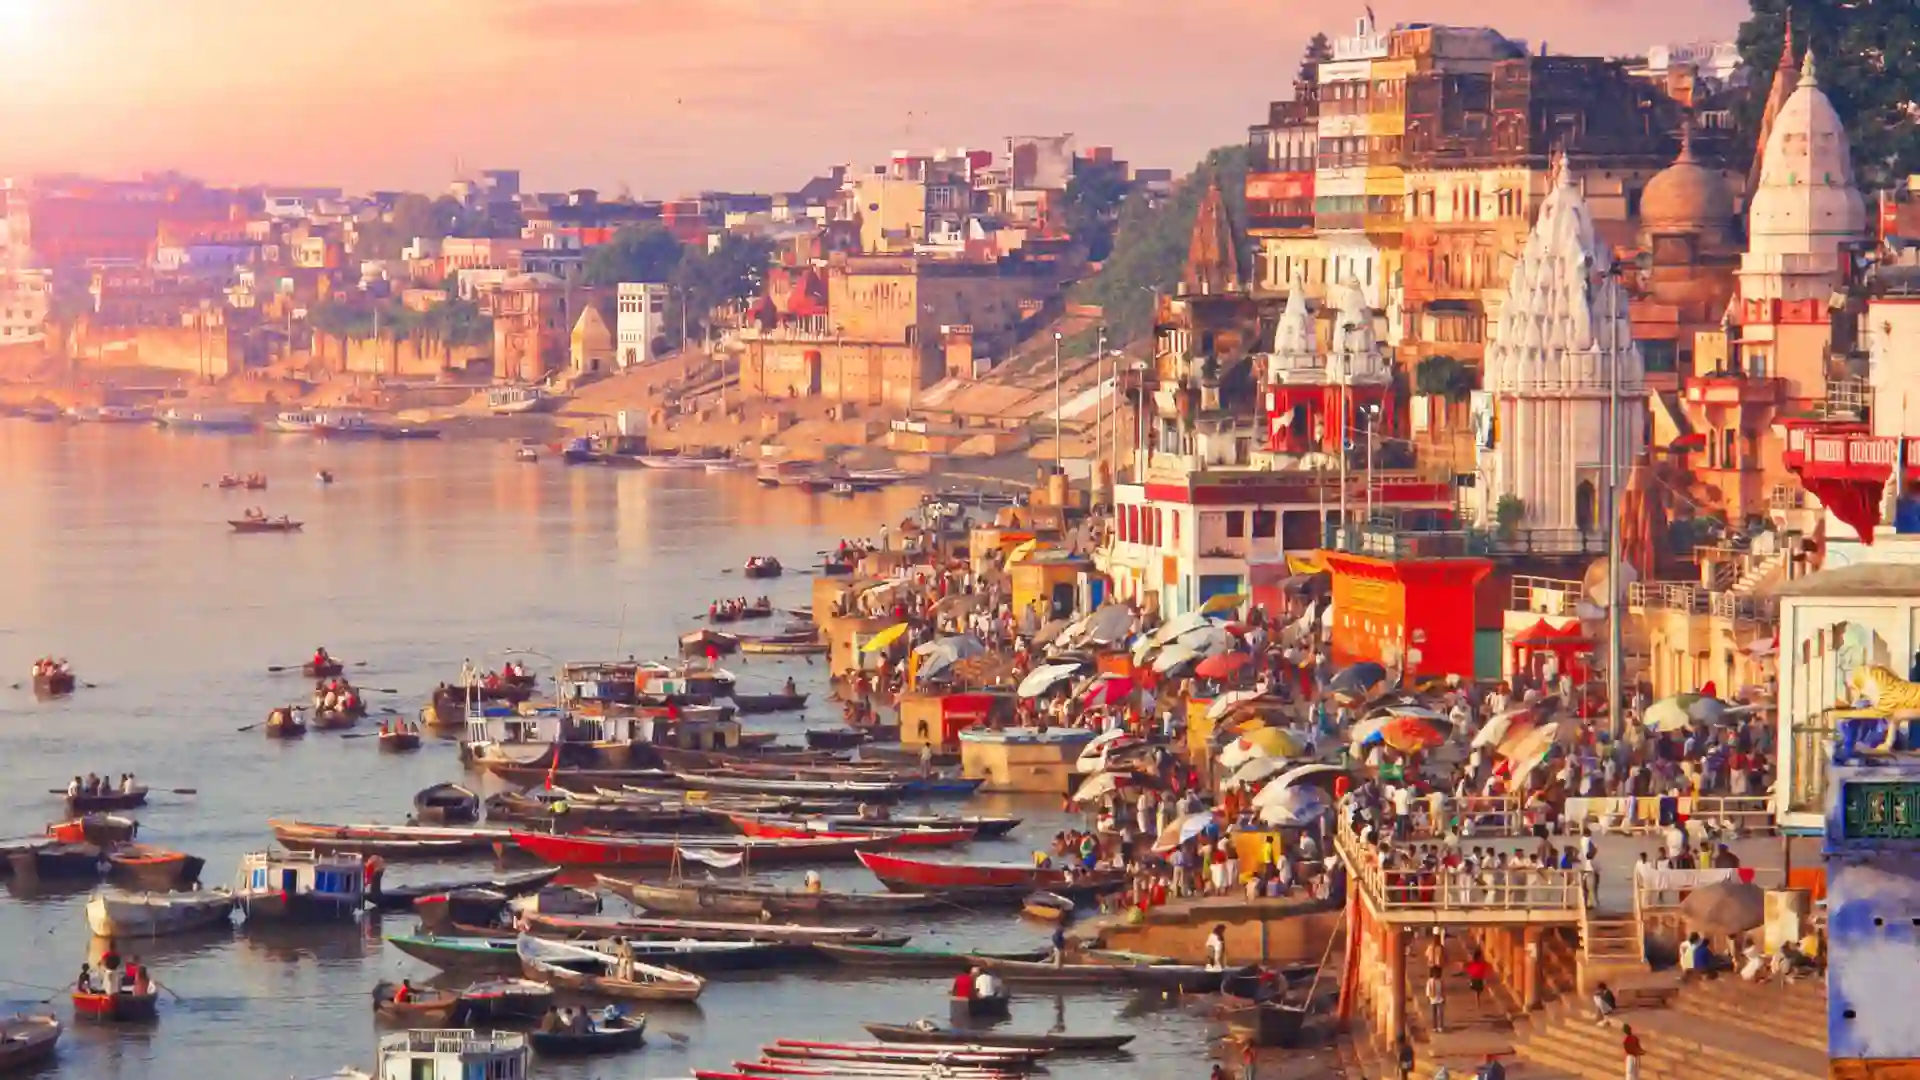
(1744, 606)
(1656, 890)
(1393, 890)
(1547, 596)
(1631, 815)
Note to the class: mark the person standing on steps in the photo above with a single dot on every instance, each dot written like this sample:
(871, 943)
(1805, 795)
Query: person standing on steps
(1631, 1048)
(1437, 999)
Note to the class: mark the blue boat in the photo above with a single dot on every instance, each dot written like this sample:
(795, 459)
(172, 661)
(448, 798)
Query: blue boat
(578, 452)
(942, 785)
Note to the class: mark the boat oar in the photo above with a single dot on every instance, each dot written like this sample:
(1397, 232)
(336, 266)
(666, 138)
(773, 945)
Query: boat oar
(276, 669)
(176, 997)
(360, 735)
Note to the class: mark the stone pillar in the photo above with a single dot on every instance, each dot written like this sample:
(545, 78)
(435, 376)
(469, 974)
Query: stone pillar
(1533, 970)
(1395, 940)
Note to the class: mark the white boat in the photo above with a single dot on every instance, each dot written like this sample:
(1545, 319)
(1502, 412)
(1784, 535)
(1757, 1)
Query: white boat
(206, 420)
(507, 400)
(324, 423)
(876, 476)
(116, 414)
(672, 461)
(727, 464)
(119, 914)
(300, 886)
(527, 452)
(591, 971)
(451, 1052)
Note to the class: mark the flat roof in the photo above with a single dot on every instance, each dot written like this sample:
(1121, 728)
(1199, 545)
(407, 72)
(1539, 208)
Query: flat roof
(1863, 579)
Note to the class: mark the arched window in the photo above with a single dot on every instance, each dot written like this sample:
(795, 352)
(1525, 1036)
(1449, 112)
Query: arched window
(1584, 506)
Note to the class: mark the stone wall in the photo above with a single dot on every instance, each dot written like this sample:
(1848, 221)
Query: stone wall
(173, 348)
(407, 358)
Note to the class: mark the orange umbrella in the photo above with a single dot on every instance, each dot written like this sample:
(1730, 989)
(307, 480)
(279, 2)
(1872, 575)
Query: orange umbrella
(1219, 667)
(1409, 733)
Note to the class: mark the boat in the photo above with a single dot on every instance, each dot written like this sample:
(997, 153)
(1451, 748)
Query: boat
(206, 420)
(771, 647)
(124, 1007)
(27, 1040)
(570, 967)
(509, 400)
(527, 452)
(662, 851)
(1047, 907)
(501, 954)
(106, 800)
(1187, 978)
(102, 829)
(504, 999)
(117, 914)
(447, 804)
(834, 738)
(401, 897)
(322, 669)
(916, 961)
(280, 524)
(761, 566)
(700, 642)
(969, 1011)
(757, 901)
(604, 1035)
(948, 1053)
(857, 790)
(117, 414)
(390, 841)
(659, 929)
(983, 881)
(756, 704)
(142, 866)
(333, 719)
(578, 452)
(284, 724)
(399, 742)
(243, 483)
(403, 434)
(299, 886)
(985, 828)
(451, 1052)
(421, 1006)
(773, 829)
(1058, 1042)
(59, 862)
(323, 477)
(53, 684)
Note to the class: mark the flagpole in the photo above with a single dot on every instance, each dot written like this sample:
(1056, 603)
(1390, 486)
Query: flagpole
(1616, 665)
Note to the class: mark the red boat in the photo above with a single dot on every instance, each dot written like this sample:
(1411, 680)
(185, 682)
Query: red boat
(985, 880)
(785, 829)
(116, 1007)
(592, 850)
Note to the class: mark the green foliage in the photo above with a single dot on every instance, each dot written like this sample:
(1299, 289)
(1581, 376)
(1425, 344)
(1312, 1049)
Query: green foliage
(1319, 51)
(452, 322)
(412, 215)
(1094, 197)
(1869, 65)
(1445, 377)
(637, 253)
(1151, 241)
(1508, 513)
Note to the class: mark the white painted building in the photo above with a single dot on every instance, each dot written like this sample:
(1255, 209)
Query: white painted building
(1806, 206)
(1563, 327)
(639, 321)
(26, 291)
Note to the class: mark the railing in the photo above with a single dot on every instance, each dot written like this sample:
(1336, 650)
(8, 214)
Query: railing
(1635, 815)
(1546, 596)
(453, 1041)
(1784, 497)
(1656, 890)
(1395, 891)
(1744, 606)
(1667, 596)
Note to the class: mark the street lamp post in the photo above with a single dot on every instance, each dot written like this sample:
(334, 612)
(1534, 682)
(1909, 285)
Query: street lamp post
(1059, 459)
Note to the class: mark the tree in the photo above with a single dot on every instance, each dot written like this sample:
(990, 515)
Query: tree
(413, 215)
(735, 270)
(637, 253)
(1445, 377)
(1319, 51)
(1094, 197)
(1150, 244)
(1869, 65)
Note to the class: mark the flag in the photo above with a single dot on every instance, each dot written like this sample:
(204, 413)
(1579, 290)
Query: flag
(555, 767)
(1372, 22)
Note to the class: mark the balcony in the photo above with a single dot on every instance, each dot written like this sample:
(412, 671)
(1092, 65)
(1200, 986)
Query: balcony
(1735, 390)
(1546, 596)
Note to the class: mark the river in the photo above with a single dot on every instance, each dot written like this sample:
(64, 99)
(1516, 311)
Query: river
(114, 553)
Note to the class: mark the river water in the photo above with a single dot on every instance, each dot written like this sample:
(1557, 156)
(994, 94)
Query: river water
(114, 553)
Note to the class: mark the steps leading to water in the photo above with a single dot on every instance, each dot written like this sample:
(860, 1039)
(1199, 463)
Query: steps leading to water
(1794, 1012)
(1678, 1046)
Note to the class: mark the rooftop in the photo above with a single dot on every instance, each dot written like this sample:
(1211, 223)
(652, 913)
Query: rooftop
(1879, 580)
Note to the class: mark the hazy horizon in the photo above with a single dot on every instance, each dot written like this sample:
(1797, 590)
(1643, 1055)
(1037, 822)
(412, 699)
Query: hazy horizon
(666, 96)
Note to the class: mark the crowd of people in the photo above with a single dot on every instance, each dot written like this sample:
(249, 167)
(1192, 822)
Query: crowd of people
(95, 785)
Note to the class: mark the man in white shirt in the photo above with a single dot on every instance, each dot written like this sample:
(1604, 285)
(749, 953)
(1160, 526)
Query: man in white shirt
(986, 986)
(1676, 839)
(1402, 811)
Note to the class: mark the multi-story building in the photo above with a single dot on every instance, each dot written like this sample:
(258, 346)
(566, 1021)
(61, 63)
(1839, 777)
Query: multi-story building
(1353, 107)
(1283, 154)
(639, 323)
(533, 317)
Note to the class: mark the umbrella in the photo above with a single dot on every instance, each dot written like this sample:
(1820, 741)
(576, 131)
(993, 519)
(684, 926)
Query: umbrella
(1222, 666)
(1530, 745)
(1501, 726)
(1053, 629)
(1272, 792)
(1108, 625)
(1018, 553)
(1185, 624)
(1263, 742)
(1355, 681)
(937, 656)
(1258, 769)
(1107, 690)
(1181, 829)
(1682, 711)
(880, 641)
(1725, 907)
(1222, 603)
(1294, 807)
(1095, 786)
(1404, 732)
(1173, 656)
(1042, 678)
(1144, 648)
(1207, 640)
(1225, 702)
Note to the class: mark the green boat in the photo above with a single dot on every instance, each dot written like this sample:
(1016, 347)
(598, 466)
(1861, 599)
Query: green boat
(460, 953)
(919, 961)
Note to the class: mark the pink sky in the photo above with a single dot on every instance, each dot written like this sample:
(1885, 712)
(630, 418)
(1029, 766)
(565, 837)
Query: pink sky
(663, 96)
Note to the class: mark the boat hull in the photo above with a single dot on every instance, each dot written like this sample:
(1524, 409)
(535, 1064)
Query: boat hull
(609, 851)
(140, 868)
(117, 1008)
(116, 800)
(503, 999)
(156, 916)
(59, 684)
(391, 743)
(998, 1040)
(27, 1040)
(1001, 882)
(701, 900)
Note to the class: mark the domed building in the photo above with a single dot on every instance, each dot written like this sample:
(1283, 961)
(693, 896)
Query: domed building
(1688, 233)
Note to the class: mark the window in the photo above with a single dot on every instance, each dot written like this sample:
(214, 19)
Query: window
(1264, 522)
(1236, 524)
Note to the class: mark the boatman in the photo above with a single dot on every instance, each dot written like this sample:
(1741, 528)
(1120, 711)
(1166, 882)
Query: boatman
(1217, 948)
(985, 986)
(623, 959)
(963, 987)
(320, 658)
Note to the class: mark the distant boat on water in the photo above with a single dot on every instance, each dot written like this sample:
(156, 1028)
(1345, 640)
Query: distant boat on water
(325, 424)
(508, 400)
(116, 414)
(206, 420)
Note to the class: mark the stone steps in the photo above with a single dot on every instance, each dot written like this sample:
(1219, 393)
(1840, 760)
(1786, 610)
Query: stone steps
(1791, 1012)
(1613, 940)
(1678, 1047)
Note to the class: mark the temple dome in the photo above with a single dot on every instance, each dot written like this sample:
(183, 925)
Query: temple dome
(1806, 202)
(1686, 196)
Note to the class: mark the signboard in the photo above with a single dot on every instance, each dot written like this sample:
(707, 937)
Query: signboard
(1277, 186)
(1880, 811)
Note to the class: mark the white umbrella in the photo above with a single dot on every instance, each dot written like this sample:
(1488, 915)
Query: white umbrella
(1187, 623)
(1096, 786)
(1143, 648)
(1206, 639)
(1290, 778)
(1294, 807)
(1173, 656)
(1108, 625)
(1180, 830)
(1497, 728)
(1259, 769)
(1043, 678)
(1225, 702)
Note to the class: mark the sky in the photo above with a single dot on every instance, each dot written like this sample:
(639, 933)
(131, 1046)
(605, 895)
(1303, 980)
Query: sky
(661, 97)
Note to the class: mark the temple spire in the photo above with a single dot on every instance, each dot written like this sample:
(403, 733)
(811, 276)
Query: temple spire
(1213, 256)
(1786, 75)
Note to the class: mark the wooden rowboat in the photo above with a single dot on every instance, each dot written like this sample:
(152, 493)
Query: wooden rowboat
(984, 881)
(280, 525)
(915, 961)
(325, 670)
(116, 1008)
(333, 719)
(421, 1009)
(719, 898)
(25, 1040)
(662, 851)
(398, 742)
(390, 841)
(446, 804)
(290, 728)
(569, 967)
(53, 684)
(1014, 1040)
(783, 648)
(601, 1037)
(1047, 907)
(774, 829)
(106, 800)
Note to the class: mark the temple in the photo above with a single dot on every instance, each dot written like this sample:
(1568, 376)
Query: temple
(1564, 328)
(1318, 404)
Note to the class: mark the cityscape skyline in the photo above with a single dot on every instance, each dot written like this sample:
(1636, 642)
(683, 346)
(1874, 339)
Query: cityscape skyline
(93, 87)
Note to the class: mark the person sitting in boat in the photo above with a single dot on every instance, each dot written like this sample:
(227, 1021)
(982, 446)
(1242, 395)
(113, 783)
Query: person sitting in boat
(987, 988)
(74, 788)
(963, 987)
(813, 881)
(551, 1022)
(92, 786)
(405, 993)
(126, 784)
(85, 984)
(134, 978)
(789, 689)
(320, 658)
